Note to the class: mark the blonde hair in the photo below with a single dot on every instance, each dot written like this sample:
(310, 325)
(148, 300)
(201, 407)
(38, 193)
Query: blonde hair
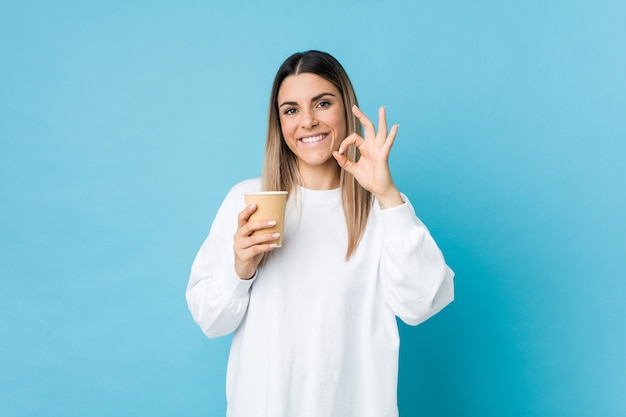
(280, 169)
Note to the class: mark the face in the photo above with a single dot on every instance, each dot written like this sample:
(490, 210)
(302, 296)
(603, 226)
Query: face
(312, 120)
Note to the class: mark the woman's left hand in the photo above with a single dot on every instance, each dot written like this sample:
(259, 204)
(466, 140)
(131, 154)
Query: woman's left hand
(372, 168)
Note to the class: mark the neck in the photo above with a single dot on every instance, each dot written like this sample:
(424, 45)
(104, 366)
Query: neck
(319, 178)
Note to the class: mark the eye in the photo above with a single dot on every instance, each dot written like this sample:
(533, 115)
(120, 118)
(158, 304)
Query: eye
(324, 103)
(290, 111)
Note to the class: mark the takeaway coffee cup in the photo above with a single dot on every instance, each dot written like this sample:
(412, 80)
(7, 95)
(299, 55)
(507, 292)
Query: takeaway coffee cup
(270, 206)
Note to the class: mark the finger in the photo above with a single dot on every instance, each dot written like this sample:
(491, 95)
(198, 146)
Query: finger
(382, 124)
(248, 247)
(353, 139)
(256, 225)
(262, 239)
(245, 214)
(248, 254)
(393, 132)
(369, 128)
(344, 162)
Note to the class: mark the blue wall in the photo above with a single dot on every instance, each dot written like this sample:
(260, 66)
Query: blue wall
(122, 125)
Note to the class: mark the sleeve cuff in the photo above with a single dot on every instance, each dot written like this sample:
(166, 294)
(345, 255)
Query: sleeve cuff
(397, 220)
(237, 287)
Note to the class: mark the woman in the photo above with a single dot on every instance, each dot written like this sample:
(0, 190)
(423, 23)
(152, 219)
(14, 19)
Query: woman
(314, 321)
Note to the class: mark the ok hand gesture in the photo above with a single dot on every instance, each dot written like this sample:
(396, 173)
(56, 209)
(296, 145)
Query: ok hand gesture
(372, 168)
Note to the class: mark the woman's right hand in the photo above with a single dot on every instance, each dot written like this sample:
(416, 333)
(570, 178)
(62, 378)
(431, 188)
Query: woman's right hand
(249, 250)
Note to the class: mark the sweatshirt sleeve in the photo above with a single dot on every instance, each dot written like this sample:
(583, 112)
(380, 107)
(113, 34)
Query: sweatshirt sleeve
(415, 279)
(216, 296)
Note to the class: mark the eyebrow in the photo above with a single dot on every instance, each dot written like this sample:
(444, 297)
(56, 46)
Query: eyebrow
(317, 97)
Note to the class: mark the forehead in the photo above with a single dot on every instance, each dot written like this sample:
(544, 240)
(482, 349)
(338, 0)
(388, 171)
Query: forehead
(304, 87)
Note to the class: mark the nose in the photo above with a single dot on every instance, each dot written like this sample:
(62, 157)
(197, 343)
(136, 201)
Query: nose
(308, 120)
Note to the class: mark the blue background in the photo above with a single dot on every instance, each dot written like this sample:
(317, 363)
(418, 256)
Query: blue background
(123, 124)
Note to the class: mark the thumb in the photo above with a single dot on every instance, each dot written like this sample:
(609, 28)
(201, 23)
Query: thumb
(344, 162)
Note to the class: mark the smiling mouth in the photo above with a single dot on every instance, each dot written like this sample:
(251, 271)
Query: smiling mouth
(313, 139)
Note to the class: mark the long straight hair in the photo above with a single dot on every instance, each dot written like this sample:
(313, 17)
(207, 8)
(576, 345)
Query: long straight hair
(280, 169)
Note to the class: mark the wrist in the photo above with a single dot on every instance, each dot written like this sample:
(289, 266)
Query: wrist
(390, 199)
(244, 273)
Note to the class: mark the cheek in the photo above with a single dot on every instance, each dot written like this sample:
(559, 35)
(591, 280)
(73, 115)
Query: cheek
(287, 128)
(340, 125)
(287, 133)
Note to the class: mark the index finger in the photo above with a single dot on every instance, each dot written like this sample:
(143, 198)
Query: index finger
(370, 130)
(245, 214)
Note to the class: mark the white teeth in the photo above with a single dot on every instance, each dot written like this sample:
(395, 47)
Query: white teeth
(313, 139)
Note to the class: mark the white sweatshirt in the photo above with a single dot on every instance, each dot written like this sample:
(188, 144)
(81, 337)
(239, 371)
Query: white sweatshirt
(316, 335)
